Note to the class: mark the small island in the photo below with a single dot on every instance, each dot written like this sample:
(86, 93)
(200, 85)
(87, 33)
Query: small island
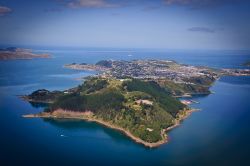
(12, 53)
(138, 98)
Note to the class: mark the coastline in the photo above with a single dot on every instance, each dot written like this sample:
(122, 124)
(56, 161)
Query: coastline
(89, 116)
(180, 118)
(36, 101)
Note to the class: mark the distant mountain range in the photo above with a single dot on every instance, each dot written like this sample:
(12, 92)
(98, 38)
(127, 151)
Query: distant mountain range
(12, 53)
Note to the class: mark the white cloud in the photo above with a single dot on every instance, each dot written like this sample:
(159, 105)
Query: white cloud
(4, 10)
(91, 4)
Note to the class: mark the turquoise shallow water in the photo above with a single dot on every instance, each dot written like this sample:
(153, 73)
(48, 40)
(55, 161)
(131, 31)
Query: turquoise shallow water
(217, 135)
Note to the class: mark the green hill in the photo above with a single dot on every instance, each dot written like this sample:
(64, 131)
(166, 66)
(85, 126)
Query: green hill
(141, 107)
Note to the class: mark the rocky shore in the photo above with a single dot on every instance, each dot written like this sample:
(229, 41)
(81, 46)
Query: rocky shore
(89, 116)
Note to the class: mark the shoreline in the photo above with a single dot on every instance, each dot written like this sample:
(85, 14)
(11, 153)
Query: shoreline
(89, 116)
(181, 118)
(25, 98)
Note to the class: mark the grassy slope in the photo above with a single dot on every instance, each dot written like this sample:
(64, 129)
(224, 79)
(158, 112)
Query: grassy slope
(181, 88)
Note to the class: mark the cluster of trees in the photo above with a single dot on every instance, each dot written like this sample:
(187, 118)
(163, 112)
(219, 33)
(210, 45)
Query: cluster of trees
(109, 99)
(167, 102)
(44, 95)
(181, 88)
(93, 85)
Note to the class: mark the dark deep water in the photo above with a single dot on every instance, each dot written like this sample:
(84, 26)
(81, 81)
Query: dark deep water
(217, 135)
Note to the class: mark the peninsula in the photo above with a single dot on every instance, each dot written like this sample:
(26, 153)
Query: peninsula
(138, 98)
(12, 53)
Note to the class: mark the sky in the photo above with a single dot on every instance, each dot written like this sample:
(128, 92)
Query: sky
(163, 24)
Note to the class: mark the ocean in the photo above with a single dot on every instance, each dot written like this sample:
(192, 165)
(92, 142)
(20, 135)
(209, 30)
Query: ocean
(219, 134)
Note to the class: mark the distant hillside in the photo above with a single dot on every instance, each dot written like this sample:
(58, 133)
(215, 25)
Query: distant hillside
(12, 53)
(105, 63)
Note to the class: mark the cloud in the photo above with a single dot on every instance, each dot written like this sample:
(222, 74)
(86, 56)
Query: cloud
(202, 29)
(91, 4)
(199, 3)
(4, 10)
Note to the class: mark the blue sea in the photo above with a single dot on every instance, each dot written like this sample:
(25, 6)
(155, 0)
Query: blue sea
(219, 134)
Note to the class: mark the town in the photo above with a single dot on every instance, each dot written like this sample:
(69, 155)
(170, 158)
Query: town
(148, 69)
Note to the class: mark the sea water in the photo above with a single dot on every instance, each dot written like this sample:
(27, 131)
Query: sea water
(219, 134)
